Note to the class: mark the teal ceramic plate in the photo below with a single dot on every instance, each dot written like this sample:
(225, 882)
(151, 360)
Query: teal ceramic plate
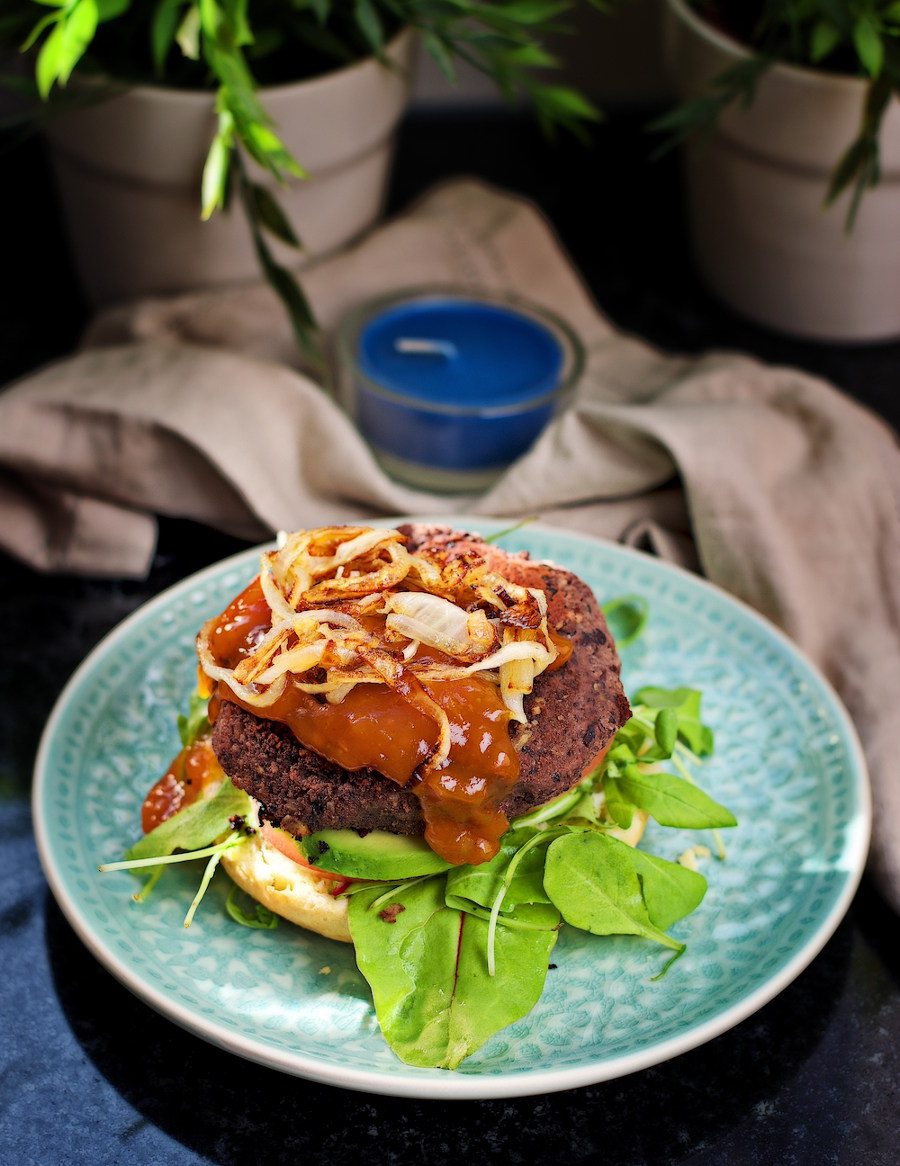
(787, 763)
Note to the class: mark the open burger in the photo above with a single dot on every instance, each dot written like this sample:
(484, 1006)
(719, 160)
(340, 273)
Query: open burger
(413, 741)
(416, 682)
(451, 687)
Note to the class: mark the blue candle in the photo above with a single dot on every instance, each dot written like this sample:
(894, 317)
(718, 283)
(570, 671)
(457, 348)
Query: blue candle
(451, 388)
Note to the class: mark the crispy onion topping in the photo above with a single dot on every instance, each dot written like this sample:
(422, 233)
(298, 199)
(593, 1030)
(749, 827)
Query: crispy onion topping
(351, 605)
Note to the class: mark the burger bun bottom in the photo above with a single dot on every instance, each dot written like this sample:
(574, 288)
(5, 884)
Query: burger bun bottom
(298, 895)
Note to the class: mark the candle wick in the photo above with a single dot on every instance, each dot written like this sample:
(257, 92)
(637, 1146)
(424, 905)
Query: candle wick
(416, 346)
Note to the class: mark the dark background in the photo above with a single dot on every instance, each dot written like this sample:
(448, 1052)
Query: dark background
(92, 1075)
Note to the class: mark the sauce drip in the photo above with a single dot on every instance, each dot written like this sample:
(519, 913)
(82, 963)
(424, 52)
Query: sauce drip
(189, 773)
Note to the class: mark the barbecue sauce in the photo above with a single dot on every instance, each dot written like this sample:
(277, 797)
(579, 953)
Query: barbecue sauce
(190, 772)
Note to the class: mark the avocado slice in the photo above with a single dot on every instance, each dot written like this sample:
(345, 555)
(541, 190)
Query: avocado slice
(376, 855)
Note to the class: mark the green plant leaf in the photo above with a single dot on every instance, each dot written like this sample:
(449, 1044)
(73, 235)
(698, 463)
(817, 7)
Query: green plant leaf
(48, 62)
(214, 184)
(868, 45)
(162, 31)
(281, 280)
(698, 115)
(564, 102)
(530, 56)
(188, 34)
(860, 165)
(437, 48)
(434, 998)
(369, 24)
(532, 11)
(824, 40)
(110, 9)
(268, 214)
(240, 24)
(78, 28)
(33, 36)
(196, 723)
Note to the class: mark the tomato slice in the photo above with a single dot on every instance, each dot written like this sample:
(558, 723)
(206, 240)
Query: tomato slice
(290, 848)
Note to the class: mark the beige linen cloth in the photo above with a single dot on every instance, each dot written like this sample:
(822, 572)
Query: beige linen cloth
(775, 485)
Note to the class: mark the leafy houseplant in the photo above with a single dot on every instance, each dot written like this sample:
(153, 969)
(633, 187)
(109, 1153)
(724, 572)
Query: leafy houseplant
(787, 104)
(235, 49)
(855, 37)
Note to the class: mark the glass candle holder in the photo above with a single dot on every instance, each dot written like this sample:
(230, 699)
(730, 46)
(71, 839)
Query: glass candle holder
(450, 386)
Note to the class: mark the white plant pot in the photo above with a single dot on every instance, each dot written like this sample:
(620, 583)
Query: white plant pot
(761, 237)
(129, 169)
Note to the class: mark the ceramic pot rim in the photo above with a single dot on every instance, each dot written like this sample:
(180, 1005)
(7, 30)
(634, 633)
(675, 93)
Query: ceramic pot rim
(801, 74)
(171, 93)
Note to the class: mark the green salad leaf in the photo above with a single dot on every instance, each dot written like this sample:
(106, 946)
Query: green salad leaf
(473, 888)
(455, 956)
(683, 703)
(426, 964)
(670, 891)
(196, 723)
(593, 881)
(626, 617)
(244, 909)
(195, 826)
(671, 800)
(203, 829)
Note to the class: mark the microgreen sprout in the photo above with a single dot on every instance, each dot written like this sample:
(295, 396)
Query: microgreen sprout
(170, 859)
(497, 535)
(208, 873)
(399, 886)
(535, 840)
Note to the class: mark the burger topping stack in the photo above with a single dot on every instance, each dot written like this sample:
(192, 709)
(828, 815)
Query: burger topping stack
(412, 664)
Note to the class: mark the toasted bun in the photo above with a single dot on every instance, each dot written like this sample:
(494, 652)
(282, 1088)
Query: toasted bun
(298, 895)
(303, 897)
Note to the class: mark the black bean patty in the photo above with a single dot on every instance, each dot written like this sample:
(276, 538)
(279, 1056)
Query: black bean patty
(572, 714)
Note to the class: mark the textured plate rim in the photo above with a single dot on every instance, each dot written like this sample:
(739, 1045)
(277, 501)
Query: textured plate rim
(440, 1084)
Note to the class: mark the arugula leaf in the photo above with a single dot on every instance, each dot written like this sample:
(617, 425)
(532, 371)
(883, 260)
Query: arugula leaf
(627, 617)
(196, 826)
(594, 882)
(686, 702)
(671, 800)
(434, 998)
(665, 731)
(670, 891)
(619, 808)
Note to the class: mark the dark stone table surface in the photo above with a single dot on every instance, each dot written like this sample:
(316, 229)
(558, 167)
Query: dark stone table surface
(89, 1074)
